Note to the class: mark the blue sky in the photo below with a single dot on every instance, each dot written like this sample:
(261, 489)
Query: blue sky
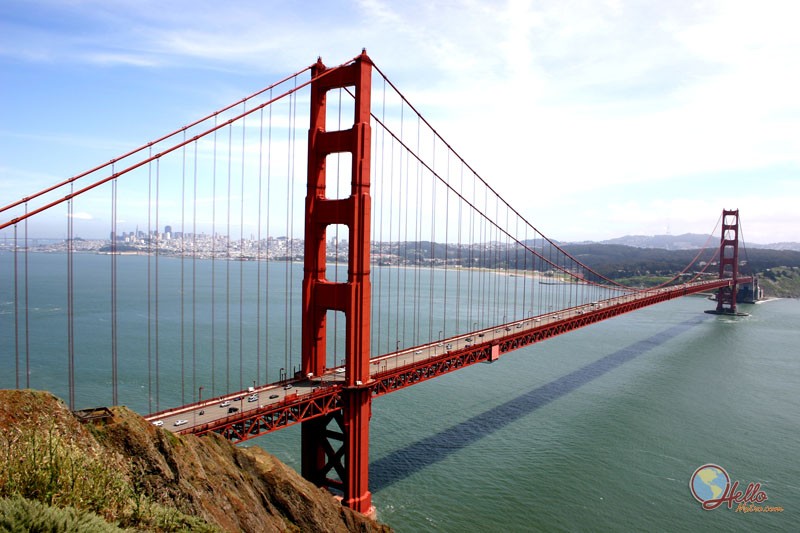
(598, 118)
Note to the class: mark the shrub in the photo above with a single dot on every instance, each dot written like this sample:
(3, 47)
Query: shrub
(20, 514)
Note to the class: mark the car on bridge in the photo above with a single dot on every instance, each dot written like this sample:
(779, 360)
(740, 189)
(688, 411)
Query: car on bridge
(226, 403)
(158, 423)
(180, 422)
(252, 398)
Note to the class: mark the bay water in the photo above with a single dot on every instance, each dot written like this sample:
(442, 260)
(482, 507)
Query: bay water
(600, 429)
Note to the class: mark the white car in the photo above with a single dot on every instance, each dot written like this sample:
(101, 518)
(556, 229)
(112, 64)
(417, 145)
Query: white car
(252, 398)
(339, 370)
(158, 423)
(226, 403)
(180, 422)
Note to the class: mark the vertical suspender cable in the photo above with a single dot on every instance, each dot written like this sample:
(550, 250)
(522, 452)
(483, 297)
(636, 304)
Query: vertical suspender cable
(380, 155)
(241, 257)
(525, 253)
(401, 178)
(460, 259)
(418, 237)
(433, 247)
(228, 268)
(494, 283)
(70, 301)
(482, 300)
(194, 274)
(470, 256)
(149, 295)
(183, 275)
(214, 266)
(397, 248)
(114, 391)
(506, 277)
(16, 308)
(27, 314)
(158, 245)
(515, 251)
(401, 335)
(288, 270)
(292, 147)
(446, 237)
(266, 279)
(259, 259)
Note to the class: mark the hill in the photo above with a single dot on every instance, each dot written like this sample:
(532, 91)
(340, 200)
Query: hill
(137, 476)
(687, 241)
(780, 268)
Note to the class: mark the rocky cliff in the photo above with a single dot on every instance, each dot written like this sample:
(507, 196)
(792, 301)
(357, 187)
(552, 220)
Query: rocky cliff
(138, 476)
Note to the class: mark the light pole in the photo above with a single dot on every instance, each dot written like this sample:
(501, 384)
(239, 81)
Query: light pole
(199, 400)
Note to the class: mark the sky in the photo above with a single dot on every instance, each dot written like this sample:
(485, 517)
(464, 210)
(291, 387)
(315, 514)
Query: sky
(596, 119)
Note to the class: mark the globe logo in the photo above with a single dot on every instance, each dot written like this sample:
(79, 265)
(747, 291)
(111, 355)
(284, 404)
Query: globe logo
(709, 483)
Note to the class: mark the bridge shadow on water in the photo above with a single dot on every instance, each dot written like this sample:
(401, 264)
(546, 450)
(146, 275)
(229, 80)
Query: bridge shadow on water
(406, 461)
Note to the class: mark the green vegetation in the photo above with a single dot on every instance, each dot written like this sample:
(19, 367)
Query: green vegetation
(41, 470)
(19, 514)
(49, 470)
(781, 282)
(643, 281)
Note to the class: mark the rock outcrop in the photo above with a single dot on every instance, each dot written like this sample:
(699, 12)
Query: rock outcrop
(207, 478)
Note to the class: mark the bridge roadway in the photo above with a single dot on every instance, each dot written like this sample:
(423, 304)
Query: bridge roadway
(243, 415)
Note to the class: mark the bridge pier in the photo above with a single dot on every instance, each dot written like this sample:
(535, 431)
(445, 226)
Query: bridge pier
(325, 450)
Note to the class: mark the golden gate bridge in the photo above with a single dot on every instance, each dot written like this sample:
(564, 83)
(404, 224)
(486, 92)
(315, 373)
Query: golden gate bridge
(413, 266)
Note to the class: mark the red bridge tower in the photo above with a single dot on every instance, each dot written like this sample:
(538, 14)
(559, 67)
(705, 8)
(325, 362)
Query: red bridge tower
(728, 261)
(343, 449)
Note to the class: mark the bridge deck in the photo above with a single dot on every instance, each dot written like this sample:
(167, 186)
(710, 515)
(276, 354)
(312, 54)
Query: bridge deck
(240, 416)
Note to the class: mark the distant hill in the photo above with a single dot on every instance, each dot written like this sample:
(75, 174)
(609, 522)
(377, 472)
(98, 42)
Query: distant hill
(688, 241)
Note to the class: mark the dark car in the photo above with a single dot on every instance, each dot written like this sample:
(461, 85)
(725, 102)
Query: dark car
(233, 409)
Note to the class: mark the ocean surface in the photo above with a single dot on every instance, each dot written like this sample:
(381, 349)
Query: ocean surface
(600, 429)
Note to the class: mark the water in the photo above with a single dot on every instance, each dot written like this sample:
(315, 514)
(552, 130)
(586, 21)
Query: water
(600, 429)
